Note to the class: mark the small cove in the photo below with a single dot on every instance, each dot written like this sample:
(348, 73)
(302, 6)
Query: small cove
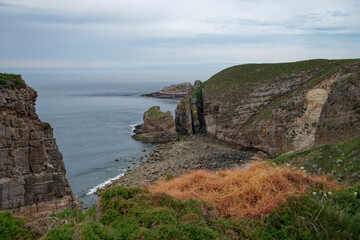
(93, 124)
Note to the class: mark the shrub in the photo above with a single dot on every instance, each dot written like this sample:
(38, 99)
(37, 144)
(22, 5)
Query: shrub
(12, 228)
(60, 233)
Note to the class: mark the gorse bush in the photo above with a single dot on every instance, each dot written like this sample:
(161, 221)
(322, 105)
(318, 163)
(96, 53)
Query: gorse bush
(60, 233)
(11, 228)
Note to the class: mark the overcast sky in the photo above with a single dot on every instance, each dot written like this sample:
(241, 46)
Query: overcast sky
(145, 34)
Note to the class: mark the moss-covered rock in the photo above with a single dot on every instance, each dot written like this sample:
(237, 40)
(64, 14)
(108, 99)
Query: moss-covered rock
(158, 127)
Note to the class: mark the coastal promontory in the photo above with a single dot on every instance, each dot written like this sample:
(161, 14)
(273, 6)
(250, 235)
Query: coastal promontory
(172, 91)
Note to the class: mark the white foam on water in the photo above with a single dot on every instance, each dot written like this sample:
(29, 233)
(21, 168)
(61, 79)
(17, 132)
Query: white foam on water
(102, 185)
(133, 127)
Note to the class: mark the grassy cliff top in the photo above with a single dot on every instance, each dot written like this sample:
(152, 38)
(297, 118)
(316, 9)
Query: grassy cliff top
(12, 79)
(248, 74)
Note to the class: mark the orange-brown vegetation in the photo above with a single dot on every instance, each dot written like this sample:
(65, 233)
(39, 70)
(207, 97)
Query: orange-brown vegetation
(252, 191)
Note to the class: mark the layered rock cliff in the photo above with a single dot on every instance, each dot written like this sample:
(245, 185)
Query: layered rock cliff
(189, 112)
(32, 172)
(158, 127)
(279, 108)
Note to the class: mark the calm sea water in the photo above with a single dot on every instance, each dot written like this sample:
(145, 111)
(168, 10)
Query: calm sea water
(93, 123)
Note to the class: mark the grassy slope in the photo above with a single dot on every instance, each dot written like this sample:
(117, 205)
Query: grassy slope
(233, 85)
(132, 213)
(248, 74)
(342, 160)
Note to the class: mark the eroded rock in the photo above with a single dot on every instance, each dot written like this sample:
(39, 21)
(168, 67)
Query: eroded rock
(158, 127)
(279, 108)
(32, 172)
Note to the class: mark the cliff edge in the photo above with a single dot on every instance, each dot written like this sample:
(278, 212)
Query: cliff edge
(277, 108)
(32, 172)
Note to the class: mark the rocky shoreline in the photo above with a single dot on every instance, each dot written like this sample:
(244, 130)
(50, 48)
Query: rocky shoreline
(182, 156)
(172, 91)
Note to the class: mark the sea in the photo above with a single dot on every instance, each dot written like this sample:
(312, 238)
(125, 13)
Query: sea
(93, 116)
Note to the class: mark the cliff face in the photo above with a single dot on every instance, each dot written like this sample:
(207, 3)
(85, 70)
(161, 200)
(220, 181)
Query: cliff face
(279, 108)
(32, 173)
(189, 112)
(158, 127)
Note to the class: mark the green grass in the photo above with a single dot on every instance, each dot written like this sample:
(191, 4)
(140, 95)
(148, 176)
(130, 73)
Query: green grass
(317, 215)
(155, 113)
(251, 73)
(61, 233)
(135, 213)
(16, 79)
(341, 160)
(12, 228)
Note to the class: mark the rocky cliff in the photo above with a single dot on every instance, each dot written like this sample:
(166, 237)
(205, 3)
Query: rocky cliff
(32, 172)
(158, 127)
(279, 108)
(172, 91)
(189, 118)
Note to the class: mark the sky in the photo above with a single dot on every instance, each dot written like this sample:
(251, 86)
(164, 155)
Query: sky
(163, 36)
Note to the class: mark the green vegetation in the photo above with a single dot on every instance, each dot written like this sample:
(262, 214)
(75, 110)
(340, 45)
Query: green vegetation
(45, 125)
(169, 177)
(246, 74)
(16, 79)
(62, 232)
(233, 87)
(135, 213)
(197, 92)
(341, 160)
(11, 228)
(318, 215)
(155, 113)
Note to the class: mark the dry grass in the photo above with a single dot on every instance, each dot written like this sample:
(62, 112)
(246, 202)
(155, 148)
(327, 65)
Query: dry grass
(252, 191)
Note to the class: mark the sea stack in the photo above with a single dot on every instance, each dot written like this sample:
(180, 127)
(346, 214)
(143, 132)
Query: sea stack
(158, 127)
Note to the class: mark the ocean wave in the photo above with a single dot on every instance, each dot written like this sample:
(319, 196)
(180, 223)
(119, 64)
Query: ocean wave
(102, 185)
(133, 127)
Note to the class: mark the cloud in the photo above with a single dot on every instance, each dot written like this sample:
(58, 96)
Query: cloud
(162, 32)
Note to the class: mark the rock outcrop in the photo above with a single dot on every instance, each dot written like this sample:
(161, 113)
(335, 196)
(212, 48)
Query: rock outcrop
(173, 91)
(32, 172)
(280, 108)
(189, 112)
(158, 127)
